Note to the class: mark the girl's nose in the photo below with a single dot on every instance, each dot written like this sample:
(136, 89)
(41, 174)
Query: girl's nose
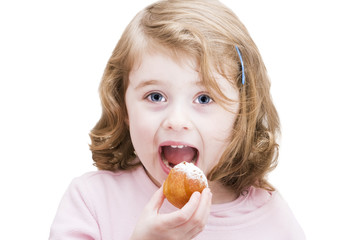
(177, 120)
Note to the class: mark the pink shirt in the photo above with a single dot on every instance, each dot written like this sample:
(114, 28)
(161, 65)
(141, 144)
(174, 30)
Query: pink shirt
(106, 205)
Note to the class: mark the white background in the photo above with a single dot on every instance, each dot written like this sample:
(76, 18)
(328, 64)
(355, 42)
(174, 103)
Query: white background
(52, 56)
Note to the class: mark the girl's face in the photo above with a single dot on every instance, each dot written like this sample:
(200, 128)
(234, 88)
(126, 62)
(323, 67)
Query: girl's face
(173, 118)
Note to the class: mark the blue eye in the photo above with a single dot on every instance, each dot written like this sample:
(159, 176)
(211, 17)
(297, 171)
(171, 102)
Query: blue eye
(203, 99)
(156, 97)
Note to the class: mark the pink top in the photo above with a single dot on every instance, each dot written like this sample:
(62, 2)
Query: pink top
(106, 205)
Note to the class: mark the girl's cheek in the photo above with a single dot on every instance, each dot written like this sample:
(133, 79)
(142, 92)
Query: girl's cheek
(144, 123)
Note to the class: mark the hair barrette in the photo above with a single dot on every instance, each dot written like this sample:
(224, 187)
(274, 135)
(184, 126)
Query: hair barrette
(242, 66)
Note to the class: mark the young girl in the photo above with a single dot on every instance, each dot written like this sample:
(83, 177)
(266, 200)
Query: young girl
(184, 83)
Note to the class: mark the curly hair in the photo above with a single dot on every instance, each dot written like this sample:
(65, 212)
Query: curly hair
(208, 32)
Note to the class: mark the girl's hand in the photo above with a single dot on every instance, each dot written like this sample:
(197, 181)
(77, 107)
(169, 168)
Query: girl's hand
(185, 223)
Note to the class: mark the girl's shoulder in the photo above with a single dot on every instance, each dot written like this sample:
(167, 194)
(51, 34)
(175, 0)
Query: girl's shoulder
(108, 177)
(251, 200)
(90, 184)
(96, 198)
(264, 204)
(102, 175)
(258, 214)
(110, 183)
(99, 177)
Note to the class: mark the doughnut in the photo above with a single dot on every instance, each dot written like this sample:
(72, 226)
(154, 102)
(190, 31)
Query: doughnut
(183, 179)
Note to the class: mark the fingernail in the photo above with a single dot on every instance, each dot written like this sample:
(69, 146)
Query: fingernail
(196, 195)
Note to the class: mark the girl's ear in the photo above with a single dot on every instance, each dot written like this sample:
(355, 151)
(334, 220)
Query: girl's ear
(127, 121)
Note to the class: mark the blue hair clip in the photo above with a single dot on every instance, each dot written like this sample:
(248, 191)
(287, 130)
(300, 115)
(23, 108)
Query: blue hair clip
(242, 66)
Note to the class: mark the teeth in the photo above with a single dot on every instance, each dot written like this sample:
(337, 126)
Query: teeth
(178, 146)
(166, 163)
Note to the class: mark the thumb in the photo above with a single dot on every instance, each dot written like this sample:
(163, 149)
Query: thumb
(156, 200)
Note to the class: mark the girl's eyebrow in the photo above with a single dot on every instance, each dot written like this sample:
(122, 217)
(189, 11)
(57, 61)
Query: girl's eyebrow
(147, 83)
(150, 82)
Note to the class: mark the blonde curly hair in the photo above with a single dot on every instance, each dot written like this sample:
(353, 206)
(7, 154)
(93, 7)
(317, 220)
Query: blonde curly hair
(206, 31)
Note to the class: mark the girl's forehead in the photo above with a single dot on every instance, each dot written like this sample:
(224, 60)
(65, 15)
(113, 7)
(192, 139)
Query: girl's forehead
(158, 68)
(157, 52)
(161, 55)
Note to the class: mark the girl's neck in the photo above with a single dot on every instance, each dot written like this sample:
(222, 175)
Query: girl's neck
(221, 193)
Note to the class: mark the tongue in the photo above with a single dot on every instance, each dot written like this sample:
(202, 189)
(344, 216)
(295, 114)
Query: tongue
(178, 155)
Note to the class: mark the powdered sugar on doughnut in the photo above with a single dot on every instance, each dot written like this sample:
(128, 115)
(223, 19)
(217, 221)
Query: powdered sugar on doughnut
(191, 171)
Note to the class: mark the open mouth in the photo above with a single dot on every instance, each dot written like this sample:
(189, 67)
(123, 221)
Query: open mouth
(174, 154)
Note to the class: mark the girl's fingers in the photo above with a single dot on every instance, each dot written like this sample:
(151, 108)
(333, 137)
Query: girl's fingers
(185, 223)
(183, 215)
(204, 206)
(156, 201)
(199, 219)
